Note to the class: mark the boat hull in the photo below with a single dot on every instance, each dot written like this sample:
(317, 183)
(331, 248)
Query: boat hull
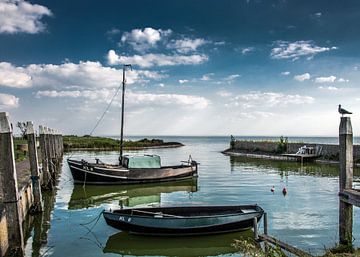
(184, 221)
(92, 173)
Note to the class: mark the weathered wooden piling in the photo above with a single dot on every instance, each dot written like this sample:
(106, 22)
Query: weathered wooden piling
(44, 159)
(34, 168)
(256, 233)
(346, 180)
(9, 195)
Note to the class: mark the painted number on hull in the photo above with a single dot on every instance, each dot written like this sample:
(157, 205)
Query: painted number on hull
(121, 218)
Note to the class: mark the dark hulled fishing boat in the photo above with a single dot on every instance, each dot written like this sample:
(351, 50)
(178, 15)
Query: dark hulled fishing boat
(184, 221)
(131, 169)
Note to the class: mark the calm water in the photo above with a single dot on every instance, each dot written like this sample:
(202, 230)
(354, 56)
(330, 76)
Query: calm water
(306, 217)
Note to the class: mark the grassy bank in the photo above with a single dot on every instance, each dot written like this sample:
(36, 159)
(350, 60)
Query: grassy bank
(103, 143)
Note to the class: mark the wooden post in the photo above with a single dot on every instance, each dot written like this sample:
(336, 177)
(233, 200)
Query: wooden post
(9, 195)
(256, 234)
(34, 168)
(44, 158)
(345, 181)
(48, 147)
(265, 224)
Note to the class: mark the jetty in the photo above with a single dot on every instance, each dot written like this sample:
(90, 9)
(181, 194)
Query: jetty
(22, 184)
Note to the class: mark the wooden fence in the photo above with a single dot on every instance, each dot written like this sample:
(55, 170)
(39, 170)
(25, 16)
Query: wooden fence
(15, 202)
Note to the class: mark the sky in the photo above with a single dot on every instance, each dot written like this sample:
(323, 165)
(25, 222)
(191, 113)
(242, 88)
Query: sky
(244, 67)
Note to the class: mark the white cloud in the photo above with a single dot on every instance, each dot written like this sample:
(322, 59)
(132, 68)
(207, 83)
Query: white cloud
(224, 93)
(207, 77)
(297, 49)
(330, 88)
(145, 39)
(182, 81)
(161, 85)
(132, 98)
(269, 99)
(8, 101)
(231, 77)
(302, 77)
(247, 50)
(330, 79)
(342, 80)
(11, 76)
(21, 16)
(150, 60)
(285, 73)
(186, 45)
(81, 75)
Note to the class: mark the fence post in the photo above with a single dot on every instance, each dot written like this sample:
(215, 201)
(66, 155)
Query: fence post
(8, 186)
(346, 179)
(34, 168)
(44, 158)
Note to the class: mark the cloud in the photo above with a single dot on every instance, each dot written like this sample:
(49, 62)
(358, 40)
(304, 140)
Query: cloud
(269, 99)
(8, 101)
(182, 81)
(207, 77)
(83, 75)
(330, 88)
(330, 79)
(297, 49)
(150, 60)
(232, 77)
(302, 77)
(11, 76)
(247, 50)
(224, 93)
(132, 98)
(186, 45)
(142, 40)
(285, 73)
(342, 80)
(20, 16)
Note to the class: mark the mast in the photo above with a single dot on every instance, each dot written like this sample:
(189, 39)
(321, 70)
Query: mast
(122, 112)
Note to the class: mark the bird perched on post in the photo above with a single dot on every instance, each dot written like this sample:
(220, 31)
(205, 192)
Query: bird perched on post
(343, 111)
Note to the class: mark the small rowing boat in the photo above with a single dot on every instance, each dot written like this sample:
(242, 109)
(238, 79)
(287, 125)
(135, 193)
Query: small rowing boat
(184, 221)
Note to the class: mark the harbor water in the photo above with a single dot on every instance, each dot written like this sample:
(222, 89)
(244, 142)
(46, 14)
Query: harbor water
(306, 217)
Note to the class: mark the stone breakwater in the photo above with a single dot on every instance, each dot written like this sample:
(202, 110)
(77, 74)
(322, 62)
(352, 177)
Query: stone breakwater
(329, 152)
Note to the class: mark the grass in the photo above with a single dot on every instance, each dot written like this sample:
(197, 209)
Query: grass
(89, 142)
(19, 154)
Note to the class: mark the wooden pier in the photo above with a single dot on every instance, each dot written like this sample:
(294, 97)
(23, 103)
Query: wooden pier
(21, 184)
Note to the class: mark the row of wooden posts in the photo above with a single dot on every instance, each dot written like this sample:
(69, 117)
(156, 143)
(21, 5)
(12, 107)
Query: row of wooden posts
(51, 150)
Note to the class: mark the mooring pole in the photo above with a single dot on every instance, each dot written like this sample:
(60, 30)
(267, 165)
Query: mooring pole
(44, 158)
(256, 233)
(265, 223)
(345, 180)
(34, 168)
(9, 188)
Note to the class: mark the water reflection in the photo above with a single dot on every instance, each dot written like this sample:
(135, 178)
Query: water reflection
(285, 168)
(128, 195)
(127, 244)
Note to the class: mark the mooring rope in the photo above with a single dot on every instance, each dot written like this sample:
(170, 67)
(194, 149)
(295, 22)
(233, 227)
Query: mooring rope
(96, 219)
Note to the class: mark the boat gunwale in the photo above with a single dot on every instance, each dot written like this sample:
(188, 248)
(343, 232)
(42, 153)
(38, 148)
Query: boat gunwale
(261, 211)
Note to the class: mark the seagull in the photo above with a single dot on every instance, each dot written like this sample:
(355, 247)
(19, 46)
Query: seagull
(343, 111)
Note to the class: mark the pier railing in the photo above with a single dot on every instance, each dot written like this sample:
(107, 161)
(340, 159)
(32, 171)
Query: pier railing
(15, 202)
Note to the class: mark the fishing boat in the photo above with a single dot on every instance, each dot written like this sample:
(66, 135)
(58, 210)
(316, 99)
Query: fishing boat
(184, 221)
(130, 169)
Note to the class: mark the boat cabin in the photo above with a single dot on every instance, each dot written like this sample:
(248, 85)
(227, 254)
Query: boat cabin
(142, 162)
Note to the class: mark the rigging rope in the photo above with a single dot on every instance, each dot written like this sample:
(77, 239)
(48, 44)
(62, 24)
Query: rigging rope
(107, 108)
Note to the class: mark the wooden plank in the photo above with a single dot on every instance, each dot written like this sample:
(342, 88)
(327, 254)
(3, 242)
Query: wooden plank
(284, 246)
(350, 196)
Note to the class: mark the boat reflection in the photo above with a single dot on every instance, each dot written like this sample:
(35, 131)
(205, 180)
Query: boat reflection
(126, 244)
(128, 195)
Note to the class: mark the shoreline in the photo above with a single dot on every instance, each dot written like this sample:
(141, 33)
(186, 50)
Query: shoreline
(125, 148)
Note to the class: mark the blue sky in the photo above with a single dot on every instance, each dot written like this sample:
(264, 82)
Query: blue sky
(246, 67)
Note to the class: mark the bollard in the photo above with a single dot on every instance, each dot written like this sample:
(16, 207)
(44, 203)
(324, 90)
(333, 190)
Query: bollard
(34, 168)
(345, 180)
(9, 188)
